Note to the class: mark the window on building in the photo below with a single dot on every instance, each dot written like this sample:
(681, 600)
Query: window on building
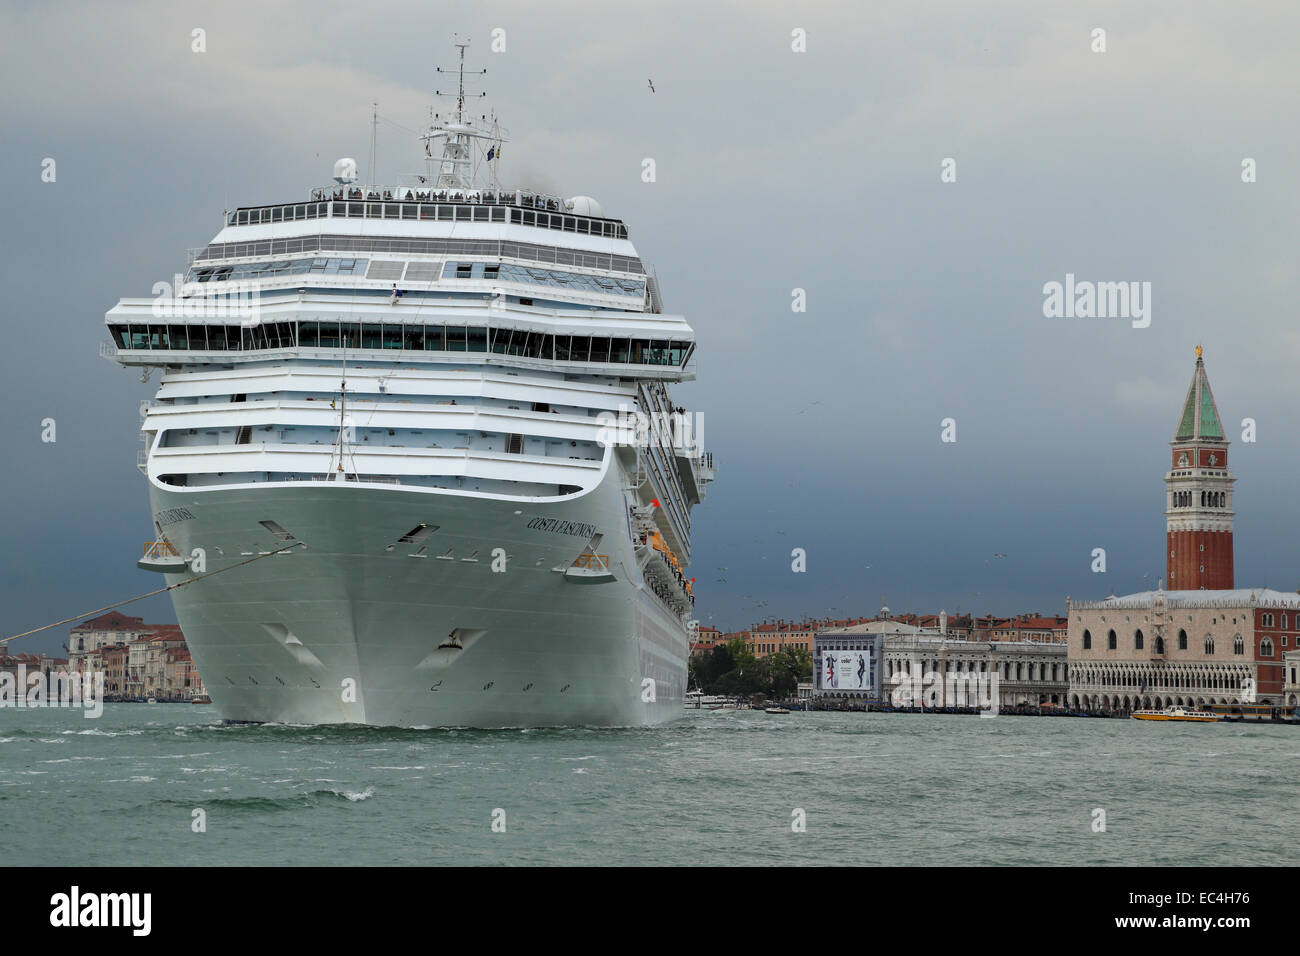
(1137, 639)
(1182, 640)
(1209, 644)
(1266, 648)
(1111, 641)
(1238, 645)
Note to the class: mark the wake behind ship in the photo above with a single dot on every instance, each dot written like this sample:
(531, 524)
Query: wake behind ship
(415, 445)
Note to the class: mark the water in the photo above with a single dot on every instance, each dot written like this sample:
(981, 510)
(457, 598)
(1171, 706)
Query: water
(715, 788)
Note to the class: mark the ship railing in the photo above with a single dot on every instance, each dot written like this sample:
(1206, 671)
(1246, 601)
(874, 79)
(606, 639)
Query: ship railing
(475, 195)
(593, 562)
(160, 549)
(107, 350)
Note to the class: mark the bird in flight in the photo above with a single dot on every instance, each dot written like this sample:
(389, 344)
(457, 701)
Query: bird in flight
(652, 85)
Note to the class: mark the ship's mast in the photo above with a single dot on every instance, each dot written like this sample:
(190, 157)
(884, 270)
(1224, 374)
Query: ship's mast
(455, 166)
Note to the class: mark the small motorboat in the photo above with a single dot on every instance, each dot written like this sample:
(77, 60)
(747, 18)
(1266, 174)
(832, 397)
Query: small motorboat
(775, 710)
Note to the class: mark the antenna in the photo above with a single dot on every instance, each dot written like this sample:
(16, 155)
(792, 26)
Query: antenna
(455, 167)
(374, 134)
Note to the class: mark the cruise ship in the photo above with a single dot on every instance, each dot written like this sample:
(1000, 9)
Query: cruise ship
(413, 459)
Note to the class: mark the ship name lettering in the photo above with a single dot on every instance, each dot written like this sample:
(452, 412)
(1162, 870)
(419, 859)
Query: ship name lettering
(556, 526)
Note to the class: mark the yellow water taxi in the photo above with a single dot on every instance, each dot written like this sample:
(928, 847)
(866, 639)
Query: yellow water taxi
(1176, 713)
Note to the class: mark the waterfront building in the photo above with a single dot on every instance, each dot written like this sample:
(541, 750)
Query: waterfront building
(111, 628)
(1190, 648)
(1203, 641)
(1290, 685)
(1029, 673)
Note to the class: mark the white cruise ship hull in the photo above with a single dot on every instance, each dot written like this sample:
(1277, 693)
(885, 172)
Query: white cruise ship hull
(351, 628)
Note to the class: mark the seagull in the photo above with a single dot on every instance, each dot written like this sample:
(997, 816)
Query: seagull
(652, 85)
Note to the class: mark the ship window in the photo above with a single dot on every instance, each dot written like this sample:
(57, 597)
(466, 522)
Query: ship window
(329, 335)
(562, 352)
(481, 214)
(463, 213)
(491, 271)
(370, 336)
(516, 216)
(392, 336)
(414, 338)
(157, 336)
(434, 339)
(530, 218)
(580, 348)
(498, 215)
(464, 270)
(217, 337)
(408, 212)
(477, 340)
(599, 349)
(455, 338)
(525, 301)
(500, 341)
(308, 334)
(392, 211)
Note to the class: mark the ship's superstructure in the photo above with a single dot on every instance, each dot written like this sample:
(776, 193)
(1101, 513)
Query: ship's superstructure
(445, 403)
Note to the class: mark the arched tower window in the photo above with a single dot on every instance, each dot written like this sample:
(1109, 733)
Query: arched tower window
(1209, 644)
(1111, 641)
(1160, 644)
(1238, 645)
(1266, 648)
(1182, 640)
(1137, 639)
(1087, 640)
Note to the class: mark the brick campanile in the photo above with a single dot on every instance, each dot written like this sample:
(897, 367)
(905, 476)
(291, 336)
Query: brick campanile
(1198, 495)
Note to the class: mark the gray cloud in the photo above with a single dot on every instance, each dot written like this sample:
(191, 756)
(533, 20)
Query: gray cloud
(776, 170)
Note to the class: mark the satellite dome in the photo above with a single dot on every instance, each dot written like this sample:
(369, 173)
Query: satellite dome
(345, 171)
(585, 206)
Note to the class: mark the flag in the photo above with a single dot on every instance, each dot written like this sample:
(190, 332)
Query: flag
(492, 151)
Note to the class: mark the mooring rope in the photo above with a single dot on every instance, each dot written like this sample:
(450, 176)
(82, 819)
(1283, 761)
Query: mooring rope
(170, 587)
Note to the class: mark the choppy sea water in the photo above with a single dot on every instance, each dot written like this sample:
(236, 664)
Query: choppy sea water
(714, 788)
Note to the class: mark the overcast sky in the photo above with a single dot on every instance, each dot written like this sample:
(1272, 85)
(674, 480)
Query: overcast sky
(776, 170)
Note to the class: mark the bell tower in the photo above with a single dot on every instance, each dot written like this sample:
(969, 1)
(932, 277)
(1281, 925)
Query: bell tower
(1198, 495)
